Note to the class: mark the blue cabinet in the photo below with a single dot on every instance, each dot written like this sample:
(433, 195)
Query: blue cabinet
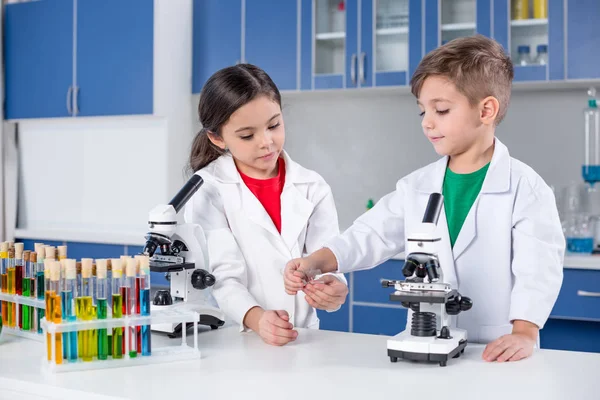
(359, 44)
(273, 45)
(217, 38)
(528, 39)
(574, 323)
(259, 32)
(38, 55)
(583, 39)
(88, 60)
(115, 57)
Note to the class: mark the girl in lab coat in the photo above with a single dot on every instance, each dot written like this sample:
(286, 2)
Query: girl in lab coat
(502, 242)
(258, 208)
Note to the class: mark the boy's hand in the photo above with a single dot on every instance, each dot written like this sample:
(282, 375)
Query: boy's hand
(326, 293)
(514, 347)
(298, 271)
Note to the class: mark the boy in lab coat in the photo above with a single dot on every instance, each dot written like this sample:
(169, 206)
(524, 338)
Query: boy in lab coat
(502, 242)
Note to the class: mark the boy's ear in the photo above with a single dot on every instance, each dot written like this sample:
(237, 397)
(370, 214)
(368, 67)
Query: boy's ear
(216, 140)
(489, 108)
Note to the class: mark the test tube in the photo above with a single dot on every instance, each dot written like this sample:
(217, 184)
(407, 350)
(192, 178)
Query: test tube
(85, 310)
(54, 311)
(69, 294)
(19, 280)
(128, 293)
(145, 303)
(11, 270)
(26, 311)
(102, 306)
(138, 333)
(4, 281)
(117, 308)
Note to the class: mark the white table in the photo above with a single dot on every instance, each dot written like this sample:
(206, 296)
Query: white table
(319, 365)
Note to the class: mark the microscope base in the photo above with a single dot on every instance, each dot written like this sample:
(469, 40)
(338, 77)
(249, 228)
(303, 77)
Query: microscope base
(434, 349)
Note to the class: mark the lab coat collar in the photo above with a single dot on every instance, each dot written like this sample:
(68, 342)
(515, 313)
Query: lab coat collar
(296, 209)
(225, 171)
(497, 179)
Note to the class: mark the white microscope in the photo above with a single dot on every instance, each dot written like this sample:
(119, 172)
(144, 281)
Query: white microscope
(183, 257)
(433, 303)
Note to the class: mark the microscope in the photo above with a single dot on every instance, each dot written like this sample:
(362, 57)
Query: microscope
(432, 336)
(183, 258)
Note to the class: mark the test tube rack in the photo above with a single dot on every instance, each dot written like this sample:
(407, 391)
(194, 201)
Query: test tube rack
(26, 301)
(159, 355)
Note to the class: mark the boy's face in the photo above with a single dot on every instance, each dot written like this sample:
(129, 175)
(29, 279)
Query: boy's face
(449, 121)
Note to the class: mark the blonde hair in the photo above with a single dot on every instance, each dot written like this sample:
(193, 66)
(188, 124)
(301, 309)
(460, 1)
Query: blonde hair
(478, 66)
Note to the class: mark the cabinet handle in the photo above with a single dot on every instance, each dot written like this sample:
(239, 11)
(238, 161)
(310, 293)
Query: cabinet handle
(353, 69)
(69, 98)
(361, 67)
(76, 103)
(583, 293)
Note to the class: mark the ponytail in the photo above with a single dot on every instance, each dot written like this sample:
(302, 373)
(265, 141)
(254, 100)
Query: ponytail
(203, 151)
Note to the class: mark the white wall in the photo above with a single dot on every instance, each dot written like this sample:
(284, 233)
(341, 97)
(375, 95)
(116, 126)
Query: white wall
(363, 143)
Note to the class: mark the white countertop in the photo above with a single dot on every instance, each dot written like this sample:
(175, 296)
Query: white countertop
(572, 260)
(319, 365)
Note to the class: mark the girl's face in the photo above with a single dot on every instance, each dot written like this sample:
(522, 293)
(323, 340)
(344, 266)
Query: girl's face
(254, 134)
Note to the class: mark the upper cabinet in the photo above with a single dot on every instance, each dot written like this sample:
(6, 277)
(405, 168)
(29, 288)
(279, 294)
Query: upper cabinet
(39, 59)
(78, 57)
(359, 43)
(583, 39)
(350, 44)
(271, 39)
(260, 32)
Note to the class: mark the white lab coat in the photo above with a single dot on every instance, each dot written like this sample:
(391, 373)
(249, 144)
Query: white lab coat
(508, 256)
(247, 255)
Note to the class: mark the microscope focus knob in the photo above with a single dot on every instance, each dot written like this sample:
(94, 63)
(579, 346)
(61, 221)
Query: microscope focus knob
(387, 283)
(163, 298)
(201, 279)
(465, 304)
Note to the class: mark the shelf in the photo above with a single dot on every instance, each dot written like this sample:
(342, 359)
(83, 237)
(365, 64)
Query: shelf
(528, 22)
(402, 30)
(331, 35)
(86, 236)
(463, 26)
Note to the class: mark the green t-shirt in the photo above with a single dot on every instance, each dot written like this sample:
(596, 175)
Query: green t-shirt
(460, 192)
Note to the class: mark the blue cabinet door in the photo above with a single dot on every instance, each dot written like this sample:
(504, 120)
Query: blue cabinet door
(38, 55)
(273, 46)
(583, 37)
(432, 25)
(217, 38)
(367, 55)
(483, 17)
(115, 41)
(415, 36)
(352, 47)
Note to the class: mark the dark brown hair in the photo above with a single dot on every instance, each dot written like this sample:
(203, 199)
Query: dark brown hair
(223, 93)
(478, 66)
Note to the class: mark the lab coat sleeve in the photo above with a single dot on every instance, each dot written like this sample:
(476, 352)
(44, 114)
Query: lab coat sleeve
(323, 225)
(375, 237)
(538, 246)
(226, 261)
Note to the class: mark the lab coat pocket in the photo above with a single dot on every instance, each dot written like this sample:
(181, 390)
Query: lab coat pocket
(489, 333)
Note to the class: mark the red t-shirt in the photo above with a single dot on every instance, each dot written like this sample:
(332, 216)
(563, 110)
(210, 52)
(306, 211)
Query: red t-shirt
(268, 192)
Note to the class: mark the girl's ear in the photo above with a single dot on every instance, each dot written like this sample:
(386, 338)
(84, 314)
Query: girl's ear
(217, 140)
